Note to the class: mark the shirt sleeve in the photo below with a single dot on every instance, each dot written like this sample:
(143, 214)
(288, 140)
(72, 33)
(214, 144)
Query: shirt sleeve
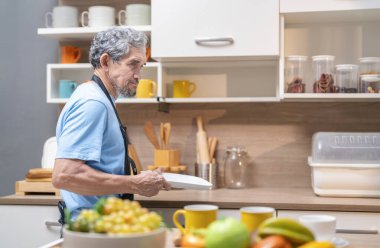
(82, 131)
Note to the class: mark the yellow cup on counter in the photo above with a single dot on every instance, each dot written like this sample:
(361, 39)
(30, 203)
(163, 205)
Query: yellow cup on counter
(252, 217)
(196, 216)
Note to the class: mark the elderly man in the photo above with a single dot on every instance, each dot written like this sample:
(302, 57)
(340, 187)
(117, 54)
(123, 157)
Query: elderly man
(92, 159)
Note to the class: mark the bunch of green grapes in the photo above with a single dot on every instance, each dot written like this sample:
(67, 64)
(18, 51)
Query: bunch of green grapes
(116, 216)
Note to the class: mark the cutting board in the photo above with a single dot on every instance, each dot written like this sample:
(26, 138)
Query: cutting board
(24, 188)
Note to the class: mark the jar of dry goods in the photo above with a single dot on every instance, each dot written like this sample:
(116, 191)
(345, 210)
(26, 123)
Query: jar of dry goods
(323, 70)
(235, 167)
(295, 74)
(346, 77)
(369, 65)
(369, 83)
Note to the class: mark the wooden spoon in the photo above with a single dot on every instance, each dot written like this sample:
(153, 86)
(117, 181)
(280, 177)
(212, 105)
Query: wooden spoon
(151, 134)
(167, 130)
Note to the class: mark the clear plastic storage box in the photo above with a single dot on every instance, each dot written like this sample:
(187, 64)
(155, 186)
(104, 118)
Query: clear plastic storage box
(345, 164)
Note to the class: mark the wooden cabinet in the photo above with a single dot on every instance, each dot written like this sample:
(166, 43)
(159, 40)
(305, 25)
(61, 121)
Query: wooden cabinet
(28, 225)
(199, 29)
(234, 51)
(346, 221)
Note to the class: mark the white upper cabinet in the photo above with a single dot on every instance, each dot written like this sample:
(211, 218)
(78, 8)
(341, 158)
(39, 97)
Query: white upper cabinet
(204, 29)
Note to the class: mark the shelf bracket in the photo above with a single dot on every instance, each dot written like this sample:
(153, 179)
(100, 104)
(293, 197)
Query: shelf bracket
(163, 106)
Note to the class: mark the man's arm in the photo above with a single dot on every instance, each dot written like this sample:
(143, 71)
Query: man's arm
(75, 176)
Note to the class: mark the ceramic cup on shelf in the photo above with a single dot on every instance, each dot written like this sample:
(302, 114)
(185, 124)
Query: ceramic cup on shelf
(322, 226)
(252, 217)
(62, 17)
(146, 88)
(183, 88)
(135, 15)
(196, 216)
(98, 16)
(70, 54)
(66, 88)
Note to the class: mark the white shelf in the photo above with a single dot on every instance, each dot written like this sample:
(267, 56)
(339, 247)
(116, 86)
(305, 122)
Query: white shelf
(318, 97)
(221, 99)
(79, 33)
(120, 101)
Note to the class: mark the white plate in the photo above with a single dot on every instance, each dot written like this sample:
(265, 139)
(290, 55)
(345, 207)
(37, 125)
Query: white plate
(186, 181)
(340, 242)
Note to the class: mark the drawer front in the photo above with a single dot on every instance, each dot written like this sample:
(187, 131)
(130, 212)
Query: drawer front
(179, 28)
(28, 226)
(345, 220)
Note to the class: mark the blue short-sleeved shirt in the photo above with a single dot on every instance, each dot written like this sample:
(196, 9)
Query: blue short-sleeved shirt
(88, 130)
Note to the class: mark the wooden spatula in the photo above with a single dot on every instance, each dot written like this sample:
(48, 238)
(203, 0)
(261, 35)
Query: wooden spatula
(151, 134)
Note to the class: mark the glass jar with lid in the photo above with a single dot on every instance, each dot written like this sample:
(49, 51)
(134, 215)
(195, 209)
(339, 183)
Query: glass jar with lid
(369, 83)
(346, 77)
(295, 74)
(323, 70)
(369, 65)
(235, 167)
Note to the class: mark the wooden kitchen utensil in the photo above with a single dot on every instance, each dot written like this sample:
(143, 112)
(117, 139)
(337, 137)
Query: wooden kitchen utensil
(167, 130)
(204, 154)
(162, 136)
(149, 132)
(133, 154)
(214, 142)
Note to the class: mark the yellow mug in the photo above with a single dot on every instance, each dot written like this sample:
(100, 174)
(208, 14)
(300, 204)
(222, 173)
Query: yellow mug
(183, 88)
(146, 88)
(252, 217)
(196, 216)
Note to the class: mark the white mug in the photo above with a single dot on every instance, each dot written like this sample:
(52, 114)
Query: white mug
(99, 16)
(322, 226)
(135, 14)
(62, 17)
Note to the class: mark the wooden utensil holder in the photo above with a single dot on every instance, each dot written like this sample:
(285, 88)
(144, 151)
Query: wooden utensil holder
(164, 157)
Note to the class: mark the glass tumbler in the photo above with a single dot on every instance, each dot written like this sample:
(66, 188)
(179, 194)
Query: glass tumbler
(295, 74)
(235, 167)
(346, 77)
(323, 69)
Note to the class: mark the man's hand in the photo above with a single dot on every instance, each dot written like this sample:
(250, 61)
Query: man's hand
(149, 183)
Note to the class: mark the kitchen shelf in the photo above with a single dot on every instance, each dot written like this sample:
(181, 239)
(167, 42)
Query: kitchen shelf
(79, 33)
(82, 72)
(318, 97)
(221, 99)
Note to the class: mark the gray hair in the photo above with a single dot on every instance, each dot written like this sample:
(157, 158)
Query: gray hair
(116, 42)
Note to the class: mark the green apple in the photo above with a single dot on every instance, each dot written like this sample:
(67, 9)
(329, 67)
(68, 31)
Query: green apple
(227, 233)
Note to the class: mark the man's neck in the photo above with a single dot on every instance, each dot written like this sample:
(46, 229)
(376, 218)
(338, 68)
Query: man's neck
(102, 75)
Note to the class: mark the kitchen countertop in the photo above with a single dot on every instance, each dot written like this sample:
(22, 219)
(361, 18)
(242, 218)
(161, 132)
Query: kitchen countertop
(279, 198)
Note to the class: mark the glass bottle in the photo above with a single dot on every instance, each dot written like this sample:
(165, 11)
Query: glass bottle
(235, 167)
(295, 74)
(346, 78)
(323, 68)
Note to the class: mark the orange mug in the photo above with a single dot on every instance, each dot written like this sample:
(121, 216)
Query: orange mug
(70, 54)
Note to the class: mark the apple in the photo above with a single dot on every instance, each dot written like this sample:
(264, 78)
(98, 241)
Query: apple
(227, 233)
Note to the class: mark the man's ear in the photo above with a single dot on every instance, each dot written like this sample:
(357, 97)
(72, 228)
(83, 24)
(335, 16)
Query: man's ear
(105, 60)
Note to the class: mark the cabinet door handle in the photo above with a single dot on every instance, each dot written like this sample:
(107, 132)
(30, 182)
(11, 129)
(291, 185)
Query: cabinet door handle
(52, 224)
(214, 40)
(357, 231)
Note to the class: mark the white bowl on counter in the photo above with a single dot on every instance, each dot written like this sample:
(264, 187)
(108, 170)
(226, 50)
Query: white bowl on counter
(156, 238)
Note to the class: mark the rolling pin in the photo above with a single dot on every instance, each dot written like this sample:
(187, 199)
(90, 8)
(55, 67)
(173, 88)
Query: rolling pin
(204, 155)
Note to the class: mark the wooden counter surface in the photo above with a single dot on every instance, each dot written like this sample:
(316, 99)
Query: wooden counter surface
(279, 198)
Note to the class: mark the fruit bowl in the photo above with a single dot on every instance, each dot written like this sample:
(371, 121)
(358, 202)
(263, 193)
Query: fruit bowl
(155, 238)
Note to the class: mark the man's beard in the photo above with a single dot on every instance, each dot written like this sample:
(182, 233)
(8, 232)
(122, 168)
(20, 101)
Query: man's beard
(125, 91)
